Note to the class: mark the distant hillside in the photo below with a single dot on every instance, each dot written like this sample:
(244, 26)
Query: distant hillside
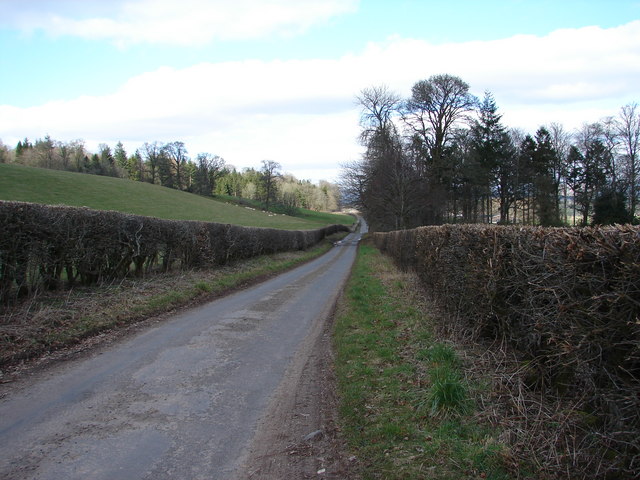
(54, 187)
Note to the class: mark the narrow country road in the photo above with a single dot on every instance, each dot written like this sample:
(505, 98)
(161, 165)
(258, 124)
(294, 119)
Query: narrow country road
(180, 400)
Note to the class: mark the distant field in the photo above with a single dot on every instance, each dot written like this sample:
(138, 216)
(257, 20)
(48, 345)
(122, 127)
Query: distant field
(312, 216)
(53, 187)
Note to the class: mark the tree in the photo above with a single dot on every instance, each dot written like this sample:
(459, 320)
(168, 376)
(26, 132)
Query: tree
(435, 106)
(4, 153)
(353, 184)
(329, 196)
(230, 183)
(22, 148)
(78, 158)
(135, 167)
(95, 166)
(252, 184)
(64, 152)
(561, 144)
(45, 152)
(176, 154)
(575, 160)
(385, 183)
(120, 156)
(525, 187)
(269, 172)
(465, 184)
(610, 139)
(209, 168)
(378, 105)
(628, 129)
(107, 162)
(152, 153)
(490, 155)
(19, 149)
(546, 188)
(166, 176)
(610, 207)
(392, 189)
(590, 171)
(290, 194)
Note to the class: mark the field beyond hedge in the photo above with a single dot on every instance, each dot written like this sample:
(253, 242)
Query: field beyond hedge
(54, 187)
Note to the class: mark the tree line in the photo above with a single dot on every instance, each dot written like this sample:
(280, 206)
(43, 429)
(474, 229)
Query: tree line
(169, 165)
(444, 156)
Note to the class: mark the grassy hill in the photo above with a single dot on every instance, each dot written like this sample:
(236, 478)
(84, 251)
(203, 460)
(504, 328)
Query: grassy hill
(54, 187)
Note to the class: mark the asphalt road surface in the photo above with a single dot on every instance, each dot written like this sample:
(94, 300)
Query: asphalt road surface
(179, 400)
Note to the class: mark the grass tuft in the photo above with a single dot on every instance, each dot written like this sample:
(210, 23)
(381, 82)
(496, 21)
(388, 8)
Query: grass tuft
(438, 354)
(447, 393)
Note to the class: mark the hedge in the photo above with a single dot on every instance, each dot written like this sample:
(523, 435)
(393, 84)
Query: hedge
(567, 300)
(44, 246)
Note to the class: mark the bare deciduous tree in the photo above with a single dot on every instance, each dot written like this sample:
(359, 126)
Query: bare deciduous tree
(270, 171)
(378, 105)
(628, 128)
(435, 106)
(152, 154)
(561, 141)
(177, 154)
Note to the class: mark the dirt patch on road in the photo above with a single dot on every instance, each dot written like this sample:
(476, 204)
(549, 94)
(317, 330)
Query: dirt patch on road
(299, 437)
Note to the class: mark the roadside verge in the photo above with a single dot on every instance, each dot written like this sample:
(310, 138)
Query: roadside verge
(409, 407)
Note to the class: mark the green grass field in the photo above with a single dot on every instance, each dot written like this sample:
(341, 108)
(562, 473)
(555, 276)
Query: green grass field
(54, 187)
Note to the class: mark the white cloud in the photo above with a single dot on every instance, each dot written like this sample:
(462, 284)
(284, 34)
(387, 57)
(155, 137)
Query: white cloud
(302, 113)
(185, 22)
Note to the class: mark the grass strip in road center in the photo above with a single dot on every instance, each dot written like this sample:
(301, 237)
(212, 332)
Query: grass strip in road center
(406, 408)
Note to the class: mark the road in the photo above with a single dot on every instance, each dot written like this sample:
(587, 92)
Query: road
(180, 400)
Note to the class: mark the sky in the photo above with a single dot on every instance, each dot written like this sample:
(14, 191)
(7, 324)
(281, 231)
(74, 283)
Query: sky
(253, 80)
